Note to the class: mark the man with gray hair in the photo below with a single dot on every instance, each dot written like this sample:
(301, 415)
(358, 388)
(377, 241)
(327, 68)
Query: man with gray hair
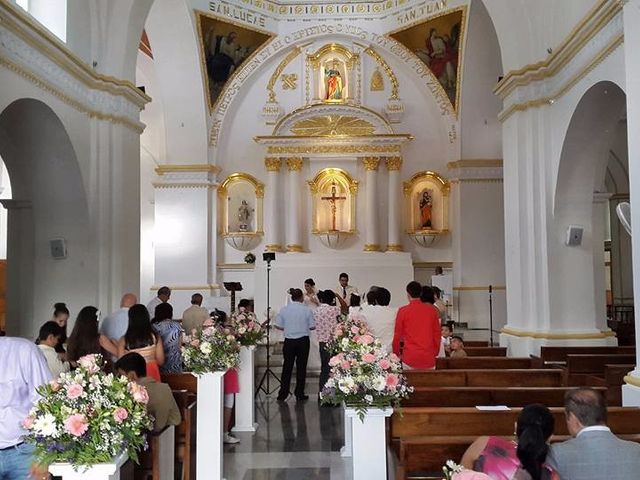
(164, 294)
(594, 453)
(194, 316)
(115, 325)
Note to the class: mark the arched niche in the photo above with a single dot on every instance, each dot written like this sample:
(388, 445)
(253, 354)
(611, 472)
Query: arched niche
(427, 203)
(241, 197)
(332, 71)
(333, 193)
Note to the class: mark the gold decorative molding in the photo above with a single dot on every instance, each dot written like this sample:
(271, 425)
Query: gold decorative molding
(320, 149)
(551, 99)
(395, 247)
(167, 185)
(372, 247)
(351, 58)
(432, 264)
(273, 247)
(631, 380)
(194, 168)
(294, 164)
(295, 248)
(395, 86)
(557, 336)
(241, 176)
(376, 83)
(476, 180)
(442, 182)
(482, 288)
(371, 163)
(332, 126)
(476, 163)
(272, 164)
(338, 173)
(289, 81)
(278, 71)
(394, 163)
(586, 29)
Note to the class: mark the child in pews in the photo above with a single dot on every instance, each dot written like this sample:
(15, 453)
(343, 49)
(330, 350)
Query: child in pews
(446, 331)
(457, 347)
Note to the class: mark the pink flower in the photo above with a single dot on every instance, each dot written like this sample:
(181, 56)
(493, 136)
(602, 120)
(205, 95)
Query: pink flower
(252, 324)
(74, 390)
(365, 339)
(207, 323)
(195, 343)
(394, 358)
(28, 422)
(368, 358)
(120, 415)
(345, 364)
(392, 381)
(355, 329)
(55, 386)
(139, 393)
(334, 361)
(470, 475)
(384, 364)
(339, 332)
(76, 424)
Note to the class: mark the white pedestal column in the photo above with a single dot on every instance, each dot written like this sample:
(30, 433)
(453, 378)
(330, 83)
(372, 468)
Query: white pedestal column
(294, 242)
(631, 391)
(347, 449)
(272, 213)
(167, 456)
(394, 244)
(372, 241)
(369, 444)
(101, 471)
(245, 406)
(209, 427)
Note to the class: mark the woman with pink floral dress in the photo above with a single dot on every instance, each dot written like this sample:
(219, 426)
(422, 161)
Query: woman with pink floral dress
(326, 318)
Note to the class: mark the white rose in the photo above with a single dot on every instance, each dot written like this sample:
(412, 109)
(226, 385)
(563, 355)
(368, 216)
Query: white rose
(346, 384)
(45, 425)
(205, 347)
(379, 383)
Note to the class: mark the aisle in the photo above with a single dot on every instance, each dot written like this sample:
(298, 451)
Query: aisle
(295, 441)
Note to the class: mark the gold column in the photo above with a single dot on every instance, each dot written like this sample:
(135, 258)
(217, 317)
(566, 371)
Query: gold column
(293, 236)
(372, 242)
(272, 213)
(394, 164)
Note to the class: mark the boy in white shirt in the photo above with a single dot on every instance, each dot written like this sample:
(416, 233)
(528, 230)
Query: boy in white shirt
(48, 337)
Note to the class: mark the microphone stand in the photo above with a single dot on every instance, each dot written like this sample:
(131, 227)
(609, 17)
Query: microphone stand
(268, 372)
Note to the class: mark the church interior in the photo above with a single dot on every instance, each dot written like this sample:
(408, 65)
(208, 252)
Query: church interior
(482, 146)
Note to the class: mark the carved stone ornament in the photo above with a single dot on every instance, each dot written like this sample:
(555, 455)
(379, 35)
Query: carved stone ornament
(377, 82)
(394, 111)
(271, 112)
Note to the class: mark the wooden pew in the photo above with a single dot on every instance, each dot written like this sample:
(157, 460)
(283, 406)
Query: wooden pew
(476, 343)
(470, 363)
(558, 355)
(581, 366)
(613, 379)
(185, 434)
(425, 437)
(472, 396)
(157, 463)
(486, 378)
(181, 381)
(486, 351)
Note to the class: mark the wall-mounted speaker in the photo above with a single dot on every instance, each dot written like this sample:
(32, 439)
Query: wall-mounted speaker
(58, 248)
(574, 236)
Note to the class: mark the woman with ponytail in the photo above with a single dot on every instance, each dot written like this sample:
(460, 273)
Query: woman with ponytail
(503, 459)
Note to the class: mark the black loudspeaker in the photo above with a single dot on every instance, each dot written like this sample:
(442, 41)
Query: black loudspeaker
(58, 248)
(269, 256)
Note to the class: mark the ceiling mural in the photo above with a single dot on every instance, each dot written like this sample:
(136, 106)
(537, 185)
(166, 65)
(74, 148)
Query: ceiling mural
(437, 42)
(224, 48)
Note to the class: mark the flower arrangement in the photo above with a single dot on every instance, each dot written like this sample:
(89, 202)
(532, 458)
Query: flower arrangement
(250, 258)
(363, 374)
(453, 471)
(213, 349)
(246, 326)
(87, 416)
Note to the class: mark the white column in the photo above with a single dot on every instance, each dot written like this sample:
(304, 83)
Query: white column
(600, 205)
(245, 418)
(100, 471)
(372, 240)
(209, 427)
(293, 237)
(347, 449)
(369, 443)
(394, 244)
(272, 212)
(631, 391)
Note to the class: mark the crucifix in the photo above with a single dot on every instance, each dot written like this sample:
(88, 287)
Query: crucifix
(333, 201)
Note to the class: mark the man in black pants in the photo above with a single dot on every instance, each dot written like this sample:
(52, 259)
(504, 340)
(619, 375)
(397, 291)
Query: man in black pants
(296, 319)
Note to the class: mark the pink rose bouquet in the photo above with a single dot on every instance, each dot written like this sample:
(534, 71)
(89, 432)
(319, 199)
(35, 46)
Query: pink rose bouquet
(214, 349)
(86, 417)
(246, 327)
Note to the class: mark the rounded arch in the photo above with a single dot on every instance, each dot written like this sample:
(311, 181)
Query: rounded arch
(49, 202)
(577, 273)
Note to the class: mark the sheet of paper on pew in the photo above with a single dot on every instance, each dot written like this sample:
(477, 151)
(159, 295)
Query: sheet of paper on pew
(492, 408)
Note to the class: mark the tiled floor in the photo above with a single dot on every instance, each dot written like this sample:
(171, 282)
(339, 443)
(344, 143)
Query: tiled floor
(294, 441)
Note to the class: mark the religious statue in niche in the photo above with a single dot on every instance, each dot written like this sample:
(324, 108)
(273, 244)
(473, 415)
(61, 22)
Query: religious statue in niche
(334, 81)
(426, 209)
(244, 216)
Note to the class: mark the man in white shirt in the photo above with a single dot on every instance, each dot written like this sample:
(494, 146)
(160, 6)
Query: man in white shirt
(344, 291)
(164, 294)
(48, 338)
(115, 325)
(194, 316)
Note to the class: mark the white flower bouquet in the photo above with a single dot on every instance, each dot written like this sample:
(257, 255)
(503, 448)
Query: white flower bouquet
(87, 417)
(363, 374)
(247, 328)
(346, 332)
(214, 349)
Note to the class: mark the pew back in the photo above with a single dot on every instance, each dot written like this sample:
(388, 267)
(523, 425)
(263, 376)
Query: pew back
(469, 363)
(587, 363)
(486, 351)
(558, 354)
(486, 378)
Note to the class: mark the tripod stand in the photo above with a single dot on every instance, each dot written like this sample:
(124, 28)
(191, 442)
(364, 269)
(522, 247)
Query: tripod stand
(268, 257)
